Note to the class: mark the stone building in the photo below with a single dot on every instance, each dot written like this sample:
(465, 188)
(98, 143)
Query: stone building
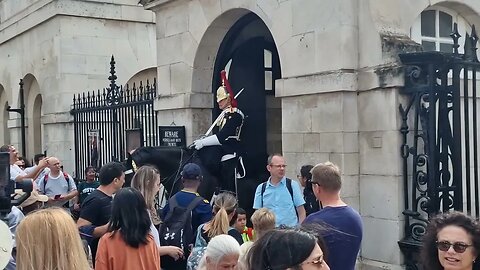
(60, 48)
(321, 79)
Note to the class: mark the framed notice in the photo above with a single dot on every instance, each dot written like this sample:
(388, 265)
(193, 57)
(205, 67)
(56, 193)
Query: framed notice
(134, 139)
(172, 136)
(93, 146)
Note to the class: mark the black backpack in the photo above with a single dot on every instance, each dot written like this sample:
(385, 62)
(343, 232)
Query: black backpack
(176, 229)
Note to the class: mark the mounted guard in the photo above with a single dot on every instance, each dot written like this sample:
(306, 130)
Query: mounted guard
(223, 149)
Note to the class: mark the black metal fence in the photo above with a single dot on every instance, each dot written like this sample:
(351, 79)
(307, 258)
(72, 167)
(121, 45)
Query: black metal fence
(110, 122)
(440, 137)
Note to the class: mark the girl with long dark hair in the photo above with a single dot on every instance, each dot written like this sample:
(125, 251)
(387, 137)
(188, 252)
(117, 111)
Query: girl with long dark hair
(128, 244)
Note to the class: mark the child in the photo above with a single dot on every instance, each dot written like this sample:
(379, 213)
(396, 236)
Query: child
(241, 225)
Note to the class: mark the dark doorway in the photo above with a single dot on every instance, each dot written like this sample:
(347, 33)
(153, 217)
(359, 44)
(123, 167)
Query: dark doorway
(249, 55)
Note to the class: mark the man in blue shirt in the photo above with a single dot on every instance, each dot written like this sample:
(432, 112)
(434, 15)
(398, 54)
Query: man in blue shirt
(345, 236)
(280, 194)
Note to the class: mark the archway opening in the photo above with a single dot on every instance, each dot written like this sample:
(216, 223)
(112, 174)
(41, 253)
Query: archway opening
(37, 125)
(5, 134)
(249, 55)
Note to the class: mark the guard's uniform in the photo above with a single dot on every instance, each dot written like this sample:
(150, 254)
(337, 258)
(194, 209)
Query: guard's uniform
(228, 133)
(224, 145)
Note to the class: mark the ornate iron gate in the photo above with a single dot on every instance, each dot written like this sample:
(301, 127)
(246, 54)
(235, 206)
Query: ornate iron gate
(110, 122)
(439, 128)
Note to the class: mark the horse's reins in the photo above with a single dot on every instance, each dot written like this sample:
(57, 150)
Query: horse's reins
(177, 173)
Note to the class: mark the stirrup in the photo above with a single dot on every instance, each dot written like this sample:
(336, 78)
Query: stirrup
(242, 167)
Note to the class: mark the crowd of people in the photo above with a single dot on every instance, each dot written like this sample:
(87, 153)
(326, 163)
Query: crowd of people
(103, 225)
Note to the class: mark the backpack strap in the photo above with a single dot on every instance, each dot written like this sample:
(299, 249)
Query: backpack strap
(45, 179)
(264, 186)
(172, 203)
(194, 203)
(65, 175)
(290, 190)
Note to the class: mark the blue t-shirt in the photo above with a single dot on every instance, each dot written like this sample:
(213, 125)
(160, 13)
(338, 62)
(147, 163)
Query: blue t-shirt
(343, 240)
(278, 199)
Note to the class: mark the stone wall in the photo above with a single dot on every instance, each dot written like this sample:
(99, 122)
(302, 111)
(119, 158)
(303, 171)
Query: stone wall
(339, 90)
(65, 48)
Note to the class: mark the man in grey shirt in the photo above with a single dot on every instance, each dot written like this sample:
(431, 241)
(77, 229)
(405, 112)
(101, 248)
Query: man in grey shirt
(57, 185)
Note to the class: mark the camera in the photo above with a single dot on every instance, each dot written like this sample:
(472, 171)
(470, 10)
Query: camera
(8, 199)
(8, 187)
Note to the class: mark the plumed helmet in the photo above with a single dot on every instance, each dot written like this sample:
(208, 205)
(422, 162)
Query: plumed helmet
(225, 90)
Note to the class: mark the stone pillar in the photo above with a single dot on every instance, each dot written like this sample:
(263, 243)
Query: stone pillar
(383, 34)
(179, 103)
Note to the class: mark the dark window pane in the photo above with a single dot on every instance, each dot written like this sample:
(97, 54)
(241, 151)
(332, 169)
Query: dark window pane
(428, 23)
(445, 21)
(448, 48)
(428, 46)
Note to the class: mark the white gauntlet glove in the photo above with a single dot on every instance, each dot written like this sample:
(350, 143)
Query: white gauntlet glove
(207, 141)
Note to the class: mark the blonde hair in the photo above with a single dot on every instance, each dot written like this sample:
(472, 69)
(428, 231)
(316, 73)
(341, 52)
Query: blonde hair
(328, 176)
(263, 220)
(224, 204)
(144, 181)
(49, 239)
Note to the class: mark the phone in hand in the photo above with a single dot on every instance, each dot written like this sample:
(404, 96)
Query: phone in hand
(57, 196)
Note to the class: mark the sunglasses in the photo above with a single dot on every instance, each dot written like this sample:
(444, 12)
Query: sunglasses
(457, 246)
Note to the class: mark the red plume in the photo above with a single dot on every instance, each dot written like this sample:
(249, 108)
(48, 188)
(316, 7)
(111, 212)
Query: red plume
(225, 82)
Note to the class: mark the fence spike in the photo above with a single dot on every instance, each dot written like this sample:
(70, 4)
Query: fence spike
(134, 91)
(154, 87)
(455, 35)
(474, 40)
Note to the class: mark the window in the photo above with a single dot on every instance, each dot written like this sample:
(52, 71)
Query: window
(268, 70)
(267, 62)
(433, 27)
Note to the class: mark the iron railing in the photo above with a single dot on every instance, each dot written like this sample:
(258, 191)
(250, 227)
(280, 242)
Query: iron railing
(440, 134)
(103, 121)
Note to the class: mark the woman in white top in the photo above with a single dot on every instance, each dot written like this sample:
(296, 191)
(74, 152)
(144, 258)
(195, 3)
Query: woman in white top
(147, 181)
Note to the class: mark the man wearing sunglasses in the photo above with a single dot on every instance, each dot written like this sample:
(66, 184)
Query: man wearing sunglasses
(343, 242)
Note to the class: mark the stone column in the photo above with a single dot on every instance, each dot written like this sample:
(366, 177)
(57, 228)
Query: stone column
(382, 36)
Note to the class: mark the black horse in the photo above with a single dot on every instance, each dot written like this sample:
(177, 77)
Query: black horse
(170, 161)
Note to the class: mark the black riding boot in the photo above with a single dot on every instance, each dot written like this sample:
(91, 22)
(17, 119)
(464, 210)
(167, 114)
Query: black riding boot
(228, 174)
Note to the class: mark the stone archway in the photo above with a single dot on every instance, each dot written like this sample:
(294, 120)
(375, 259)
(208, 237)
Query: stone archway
(222, 46)
(33, 113)
(143, 76)
(249, 54)
(5, 134)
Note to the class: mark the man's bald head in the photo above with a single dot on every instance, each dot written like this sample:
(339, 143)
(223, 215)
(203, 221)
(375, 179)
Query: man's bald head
(54, 164)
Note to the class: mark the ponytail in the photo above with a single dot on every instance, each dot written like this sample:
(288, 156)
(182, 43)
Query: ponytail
(219, 224)
(225, 204)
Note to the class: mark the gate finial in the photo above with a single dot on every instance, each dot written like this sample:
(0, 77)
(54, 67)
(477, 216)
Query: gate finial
(113, 96)
(455, 35)
(474, 40)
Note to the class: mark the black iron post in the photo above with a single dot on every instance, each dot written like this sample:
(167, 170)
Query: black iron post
(21, 111)
(113, 99)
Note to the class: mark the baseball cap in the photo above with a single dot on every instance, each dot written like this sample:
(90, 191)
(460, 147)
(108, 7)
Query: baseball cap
(191, 171)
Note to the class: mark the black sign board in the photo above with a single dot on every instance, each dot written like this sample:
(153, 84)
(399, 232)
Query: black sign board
(172, 136)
